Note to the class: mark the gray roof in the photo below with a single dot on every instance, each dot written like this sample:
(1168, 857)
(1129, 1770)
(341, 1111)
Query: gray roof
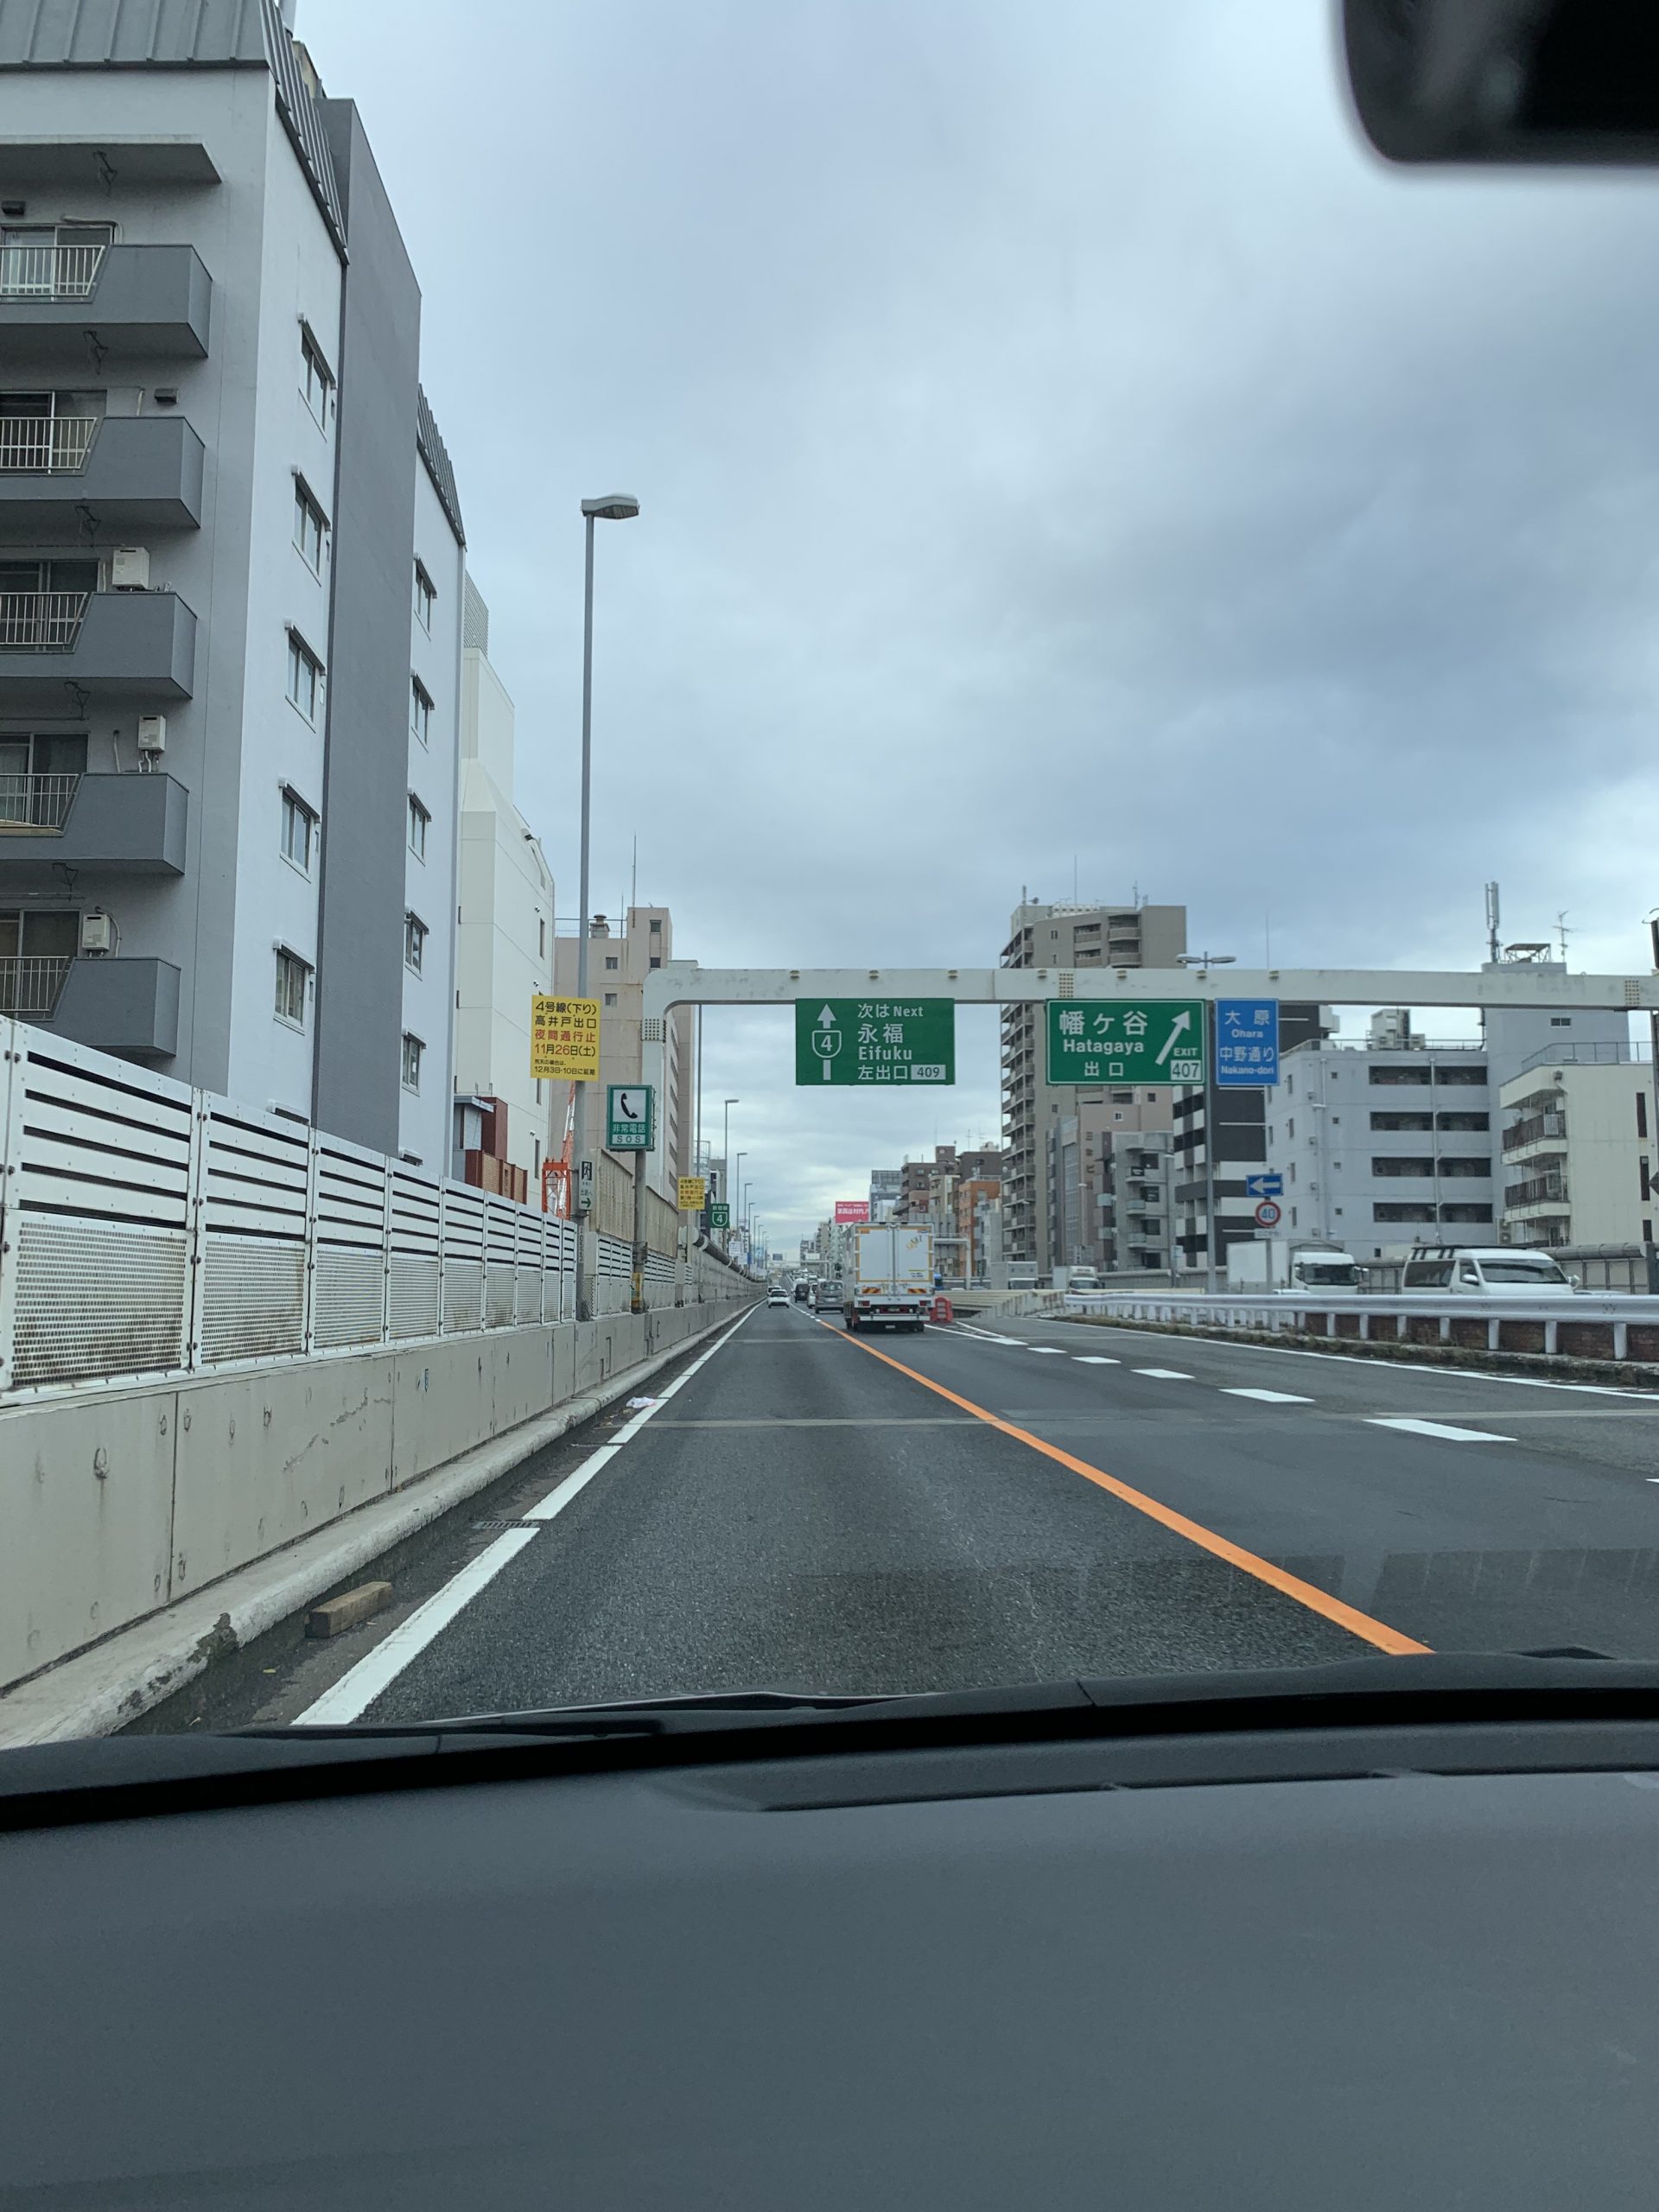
(436, 455)
(178, 35)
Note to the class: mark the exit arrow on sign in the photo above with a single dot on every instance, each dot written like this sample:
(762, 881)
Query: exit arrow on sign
(1182, 1022)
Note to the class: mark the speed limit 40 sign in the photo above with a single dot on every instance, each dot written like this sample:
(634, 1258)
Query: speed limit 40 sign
(1269, 1214)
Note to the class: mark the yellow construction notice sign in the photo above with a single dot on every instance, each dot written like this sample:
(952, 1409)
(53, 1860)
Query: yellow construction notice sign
(693, 1190)
(564, 1039)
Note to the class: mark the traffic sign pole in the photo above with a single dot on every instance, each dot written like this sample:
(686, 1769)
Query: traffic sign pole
(1211, 1137)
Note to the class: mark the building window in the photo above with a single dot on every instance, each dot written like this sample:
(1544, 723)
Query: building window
(317, 377)
(418, 821)
(310, 523)
(304, 676)
(1391, 1210)
(1561, 1021)
(655, 959)
(611, 962)
(425, 593)
(299, 830)
(414, 943)
(413, 1051)
(541, 939)
(420, 709)
(656, 929)
(293, 975)
(1641, 1113)
(610, 998)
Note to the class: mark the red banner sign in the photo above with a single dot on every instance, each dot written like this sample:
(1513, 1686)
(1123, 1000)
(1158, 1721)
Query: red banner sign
(852, 1210)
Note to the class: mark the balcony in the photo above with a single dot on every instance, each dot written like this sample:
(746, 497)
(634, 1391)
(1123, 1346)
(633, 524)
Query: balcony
(1541, 1191)
(1532, 1130)
(127, 472)
(132, 824)
(100, 645)
(136, 301)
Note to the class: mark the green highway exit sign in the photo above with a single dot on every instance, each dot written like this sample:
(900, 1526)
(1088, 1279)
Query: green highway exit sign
(1126, 1040)
(875, 1040)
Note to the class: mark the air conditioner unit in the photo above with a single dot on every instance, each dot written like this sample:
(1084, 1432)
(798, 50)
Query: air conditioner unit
(152, 732)
(130, 569)
(97, 933)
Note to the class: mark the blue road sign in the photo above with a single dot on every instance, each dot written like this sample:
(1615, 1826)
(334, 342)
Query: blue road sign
(1270, 1185)
(1247, 1043)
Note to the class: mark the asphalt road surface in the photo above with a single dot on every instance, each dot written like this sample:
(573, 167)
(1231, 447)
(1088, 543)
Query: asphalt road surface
(801, 1508)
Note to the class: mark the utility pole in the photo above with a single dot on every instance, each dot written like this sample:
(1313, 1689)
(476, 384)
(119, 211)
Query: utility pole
(637, 1303)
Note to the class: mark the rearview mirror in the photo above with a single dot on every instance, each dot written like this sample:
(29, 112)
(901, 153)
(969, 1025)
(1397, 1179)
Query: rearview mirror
(1506, 80)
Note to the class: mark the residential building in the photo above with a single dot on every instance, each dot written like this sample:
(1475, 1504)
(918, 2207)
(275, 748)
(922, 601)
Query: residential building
(218, 472)
(618, 965)
(1119, 936)
(505, 915)
(1140, 1171)
(1079, 1170)
(1577, 1147)
(886, 1184)
(1385, 1144)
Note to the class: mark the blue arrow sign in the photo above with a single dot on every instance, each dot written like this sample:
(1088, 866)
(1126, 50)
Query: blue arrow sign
(1267, 1185)
(1247, 1043)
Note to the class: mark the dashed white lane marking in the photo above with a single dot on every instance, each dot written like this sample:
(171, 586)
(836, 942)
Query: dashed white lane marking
(1055, 1351)
(1436, 1428)
(1269, 1397)
(1165, 1374)
(1094, 1359)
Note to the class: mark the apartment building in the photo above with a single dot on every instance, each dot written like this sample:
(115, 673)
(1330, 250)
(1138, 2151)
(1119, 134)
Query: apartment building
(1121, 936)
(886, 1184)
(505, 916)
(618, 965)
(220, 487)
(1080, 1173)
(1241, 1147)
(1577, 1147)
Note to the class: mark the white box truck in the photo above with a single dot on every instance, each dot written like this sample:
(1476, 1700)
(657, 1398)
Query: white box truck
(1270, 1263)
(890, 1285)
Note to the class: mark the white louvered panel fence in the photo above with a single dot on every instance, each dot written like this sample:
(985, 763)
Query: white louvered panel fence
(148, 1228)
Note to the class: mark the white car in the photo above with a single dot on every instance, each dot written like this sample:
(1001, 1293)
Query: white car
(777, 1298)
(1480, 1271)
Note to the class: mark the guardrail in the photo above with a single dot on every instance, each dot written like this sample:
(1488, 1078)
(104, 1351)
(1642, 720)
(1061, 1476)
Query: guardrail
(148, 1230)
(1614, 1325)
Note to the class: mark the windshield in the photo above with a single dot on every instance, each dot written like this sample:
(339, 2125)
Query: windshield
(887, 893)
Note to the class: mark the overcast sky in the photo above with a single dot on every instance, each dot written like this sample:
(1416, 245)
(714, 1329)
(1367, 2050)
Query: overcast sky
(1060, 448)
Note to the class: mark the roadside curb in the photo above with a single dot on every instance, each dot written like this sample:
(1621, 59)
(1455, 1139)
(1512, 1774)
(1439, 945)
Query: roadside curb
(1631, 1374)
(103, 1686)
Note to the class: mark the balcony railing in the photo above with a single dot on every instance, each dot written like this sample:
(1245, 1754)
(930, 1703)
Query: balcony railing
(34, 802)
(48, 273)
(29, 987)
(1543, 1189)
(41, 621)
(1534, 1127)
(46, 445)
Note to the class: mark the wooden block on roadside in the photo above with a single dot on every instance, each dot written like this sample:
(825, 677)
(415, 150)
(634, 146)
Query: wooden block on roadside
(347, 1611)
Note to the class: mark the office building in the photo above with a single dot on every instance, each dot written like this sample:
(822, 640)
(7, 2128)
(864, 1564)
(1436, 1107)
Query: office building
(220, 486)
(1120, 936)
(505, 927)
(1577, 1147)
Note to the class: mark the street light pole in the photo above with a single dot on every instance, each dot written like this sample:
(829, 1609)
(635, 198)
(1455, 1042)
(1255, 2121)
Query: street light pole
(618, 506)
(726, 1159)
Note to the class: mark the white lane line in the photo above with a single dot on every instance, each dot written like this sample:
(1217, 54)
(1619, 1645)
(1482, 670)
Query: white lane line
(1436, 1428)
(1269, 1397)
(357, 1689)
(1055, 1351)
(1165, 1374)
(1399, 1366)
(1094, 1359)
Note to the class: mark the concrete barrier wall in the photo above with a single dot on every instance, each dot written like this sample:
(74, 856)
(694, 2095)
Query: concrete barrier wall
(117, 1502)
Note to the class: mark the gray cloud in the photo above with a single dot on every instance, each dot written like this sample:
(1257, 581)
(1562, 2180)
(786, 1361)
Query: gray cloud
(1056, 436)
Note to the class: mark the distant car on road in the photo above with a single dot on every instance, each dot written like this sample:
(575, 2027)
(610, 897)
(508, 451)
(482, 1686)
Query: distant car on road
(827, 1298)
(777, 1298)
(1498, 1271)
(803, 1292)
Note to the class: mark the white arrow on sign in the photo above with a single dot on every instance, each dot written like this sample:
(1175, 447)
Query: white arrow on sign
(1183, 1021)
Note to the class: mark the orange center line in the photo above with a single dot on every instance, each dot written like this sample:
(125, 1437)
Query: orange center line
(1305, 1593)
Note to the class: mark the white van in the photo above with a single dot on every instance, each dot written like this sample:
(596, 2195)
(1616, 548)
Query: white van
(1479, 1271)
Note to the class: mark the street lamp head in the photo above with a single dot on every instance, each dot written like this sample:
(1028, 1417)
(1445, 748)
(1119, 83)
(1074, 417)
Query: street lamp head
(615, 507)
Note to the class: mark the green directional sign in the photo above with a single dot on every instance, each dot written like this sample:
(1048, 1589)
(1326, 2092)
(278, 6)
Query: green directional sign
(720, 1214)
(1126, 1040)
(864, 1042)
